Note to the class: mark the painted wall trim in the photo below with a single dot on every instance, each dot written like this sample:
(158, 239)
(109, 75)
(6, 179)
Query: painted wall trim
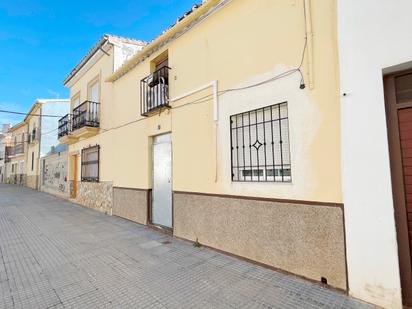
(265, 199)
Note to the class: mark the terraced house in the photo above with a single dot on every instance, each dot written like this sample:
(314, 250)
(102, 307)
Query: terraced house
(16, 155)
(216, 132)
(41, 135)
(227, 129)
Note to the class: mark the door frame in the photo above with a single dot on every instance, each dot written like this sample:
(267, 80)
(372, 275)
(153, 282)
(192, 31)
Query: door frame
(151, 191)
(73, 165)
(397, 178)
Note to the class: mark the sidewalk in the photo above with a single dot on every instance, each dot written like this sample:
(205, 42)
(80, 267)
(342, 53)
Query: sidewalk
(55, 254)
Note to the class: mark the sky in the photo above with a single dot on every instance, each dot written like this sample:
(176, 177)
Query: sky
(41, 41)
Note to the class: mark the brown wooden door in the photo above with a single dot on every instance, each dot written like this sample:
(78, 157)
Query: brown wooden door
(398, 98)
(74, 169)
(405, 135)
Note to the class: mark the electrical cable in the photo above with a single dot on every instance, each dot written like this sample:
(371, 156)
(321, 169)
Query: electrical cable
(276, 77)
(207, 97)
(28, 114)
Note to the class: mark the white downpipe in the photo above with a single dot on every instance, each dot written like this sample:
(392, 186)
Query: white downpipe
(214, 85)
(309, 42)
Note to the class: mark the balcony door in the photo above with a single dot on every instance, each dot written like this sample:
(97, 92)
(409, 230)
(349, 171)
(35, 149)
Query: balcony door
(94, 92)
(161, 212)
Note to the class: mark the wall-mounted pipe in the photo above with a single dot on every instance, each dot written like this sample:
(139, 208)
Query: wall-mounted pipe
(309, 42)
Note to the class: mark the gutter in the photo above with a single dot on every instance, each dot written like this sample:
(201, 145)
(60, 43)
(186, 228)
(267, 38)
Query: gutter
(98, 46)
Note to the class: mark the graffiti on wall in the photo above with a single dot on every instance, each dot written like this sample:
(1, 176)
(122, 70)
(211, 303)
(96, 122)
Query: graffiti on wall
(55, 173)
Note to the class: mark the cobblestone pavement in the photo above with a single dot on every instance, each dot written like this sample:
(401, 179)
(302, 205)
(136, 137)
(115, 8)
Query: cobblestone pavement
(54, 254)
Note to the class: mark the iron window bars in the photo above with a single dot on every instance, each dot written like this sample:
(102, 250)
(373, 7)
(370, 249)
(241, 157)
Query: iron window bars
(260, 145)
(154, 91)
(90, 164)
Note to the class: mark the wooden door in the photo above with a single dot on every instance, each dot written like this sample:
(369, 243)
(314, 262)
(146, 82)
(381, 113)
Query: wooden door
(74, 169)
(398, 98)
(405, 135)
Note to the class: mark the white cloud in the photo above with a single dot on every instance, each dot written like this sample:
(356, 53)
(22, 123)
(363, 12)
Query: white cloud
(53, 94)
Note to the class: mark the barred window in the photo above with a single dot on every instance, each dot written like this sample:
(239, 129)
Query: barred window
(260, 145)
(90, 163)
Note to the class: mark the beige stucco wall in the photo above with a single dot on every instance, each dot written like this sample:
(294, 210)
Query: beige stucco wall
(232, 48)
(307, 240)
(18, 135)
(239, 55)
(102, 69)
(130, 204)
(33, 147)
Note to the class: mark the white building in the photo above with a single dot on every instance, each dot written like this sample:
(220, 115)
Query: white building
(375, 41)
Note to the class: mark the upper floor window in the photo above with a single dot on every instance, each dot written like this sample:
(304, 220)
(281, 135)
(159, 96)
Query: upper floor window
(260, 145)
(94, 90)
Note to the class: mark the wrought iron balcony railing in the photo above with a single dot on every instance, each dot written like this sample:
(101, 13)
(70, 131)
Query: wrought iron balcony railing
(64, 126)
(84, 115)
(19, 148)
(15, 150)
(154, 91)
(7, 155)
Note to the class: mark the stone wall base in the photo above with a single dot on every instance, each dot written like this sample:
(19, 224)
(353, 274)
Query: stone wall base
(131, 204)
(96, 195)
(307, 240)
(32, 181)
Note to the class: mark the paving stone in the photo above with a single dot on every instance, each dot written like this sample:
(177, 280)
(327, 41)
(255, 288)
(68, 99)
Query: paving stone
(55, 254)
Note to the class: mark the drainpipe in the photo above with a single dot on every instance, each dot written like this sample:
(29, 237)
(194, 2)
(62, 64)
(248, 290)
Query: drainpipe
(214, 85)
(309, 42)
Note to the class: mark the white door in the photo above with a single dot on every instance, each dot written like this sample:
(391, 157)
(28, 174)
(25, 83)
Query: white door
(162, 181)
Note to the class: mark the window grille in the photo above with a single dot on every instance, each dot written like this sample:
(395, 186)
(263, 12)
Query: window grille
(260, 145)
(90, 164)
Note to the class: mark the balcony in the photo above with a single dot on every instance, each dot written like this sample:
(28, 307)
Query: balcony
(14, 151)
(7, 151)
(64, 126)
(86, 115)
(33, 136)
(154, 91)
(84, 122)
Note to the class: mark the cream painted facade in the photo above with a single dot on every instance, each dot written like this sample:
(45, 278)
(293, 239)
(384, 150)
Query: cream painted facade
(220, 47)
(240, 55)
(5, 141)
(41, 134)
(16, 165)
(33, 147)
(207, 53)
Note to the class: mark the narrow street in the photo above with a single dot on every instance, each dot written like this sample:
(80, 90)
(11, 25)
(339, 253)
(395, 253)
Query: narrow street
(55, 254)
